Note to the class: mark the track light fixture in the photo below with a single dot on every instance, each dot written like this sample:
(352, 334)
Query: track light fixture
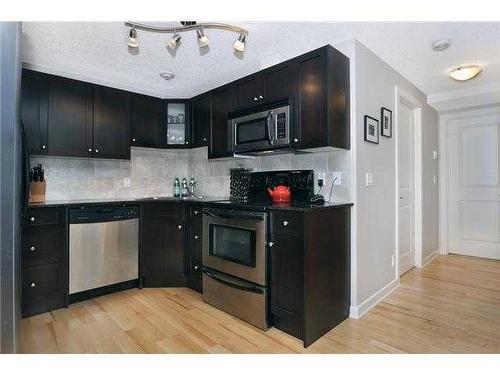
(199, 28)
(202, 38)
(132, 38)
(173, 43)
(239, 44)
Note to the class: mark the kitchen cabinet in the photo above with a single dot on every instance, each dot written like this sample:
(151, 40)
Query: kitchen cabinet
(323, 100)
(162, 244)
(69, 117)
(111, 130)
(34, 88)
(310, 270)
(201, 112)
(249, 91)
(220, 144)
(44, 256)
(177, 124)
(194, 247)
(147, 116)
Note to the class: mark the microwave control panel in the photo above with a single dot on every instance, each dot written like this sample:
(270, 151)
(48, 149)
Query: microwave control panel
(281, 125)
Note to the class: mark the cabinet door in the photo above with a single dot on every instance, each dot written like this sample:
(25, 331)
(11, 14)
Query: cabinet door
(201, 110)
(111, 123)
(34, 89)
(162, 246)
(280, 82)
(69, 117)
(146, 120)
(287, 284)
(177, 120)
(249, 91)
(311, 127)
(220, 145)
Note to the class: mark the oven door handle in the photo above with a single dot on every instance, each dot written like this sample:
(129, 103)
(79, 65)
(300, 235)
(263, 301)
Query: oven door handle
(246, 288)
(270, 132)
(230, 216)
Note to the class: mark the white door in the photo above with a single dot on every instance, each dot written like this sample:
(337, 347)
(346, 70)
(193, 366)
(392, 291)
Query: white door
(472, 159)
(406, 172)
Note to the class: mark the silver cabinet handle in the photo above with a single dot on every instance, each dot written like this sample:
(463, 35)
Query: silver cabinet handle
(255, 99)
(89, 149)
(196, 212)
(32, 248)
(133, 139)
(204, 139)
(295, 140)
(179, 227)
(96, 151)
(32, 285)
(261, 97)
(285, 223)
(32, 219)
(270, 244)
(196, 268)
(44, 147)
(187, 142)
(196, 237)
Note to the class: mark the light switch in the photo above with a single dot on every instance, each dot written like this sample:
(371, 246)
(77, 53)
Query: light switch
(126, 181)
(369, 179)
(434, 155)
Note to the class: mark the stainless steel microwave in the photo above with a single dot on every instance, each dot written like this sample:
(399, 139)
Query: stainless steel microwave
(262, 130)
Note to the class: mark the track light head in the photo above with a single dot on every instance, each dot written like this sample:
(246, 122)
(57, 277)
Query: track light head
(202, 38)
(132, 38)
(239, 44)
(173, 43)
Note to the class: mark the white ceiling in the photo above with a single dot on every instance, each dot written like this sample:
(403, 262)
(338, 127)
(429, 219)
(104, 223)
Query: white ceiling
(97, 52)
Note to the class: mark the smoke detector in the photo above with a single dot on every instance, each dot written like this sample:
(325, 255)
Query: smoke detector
(441, 44)
(167, 75)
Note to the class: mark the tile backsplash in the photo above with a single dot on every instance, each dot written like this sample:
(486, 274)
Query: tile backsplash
(151, 173)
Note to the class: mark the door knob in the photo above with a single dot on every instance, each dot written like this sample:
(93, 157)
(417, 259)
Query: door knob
(295, 140)
(270, 244)
(285, 223)
(196, 268)
(44, 147)
(196, 237)
(204, 139)
(32, 248)
(89, 149)
(96, 151)
(179, 227)
(261, 97)
(32, 219)
(196, 212)
(133, 139)
(255, 99)
(32, 285)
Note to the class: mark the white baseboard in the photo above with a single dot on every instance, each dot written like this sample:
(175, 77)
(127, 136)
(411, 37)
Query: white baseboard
(357, 312)
(429, 258)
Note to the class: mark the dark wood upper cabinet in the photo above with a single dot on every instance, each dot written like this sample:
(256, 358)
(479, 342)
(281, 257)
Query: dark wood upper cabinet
(146, 121)
(323, 99)
(219, 141)
(177, 133)
(280, 82)
(201, 112)
(249, 91)
(34, 90)
(69, 117)
(111, 123)
(162, 244)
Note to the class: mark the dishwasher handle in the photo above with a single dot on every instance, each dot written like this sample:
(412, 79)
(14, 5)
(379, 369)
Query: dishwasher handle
(103, 214)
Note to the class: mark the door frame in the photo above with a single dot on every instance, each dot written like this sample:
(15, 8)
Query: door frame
(443, 166)
(416, 105)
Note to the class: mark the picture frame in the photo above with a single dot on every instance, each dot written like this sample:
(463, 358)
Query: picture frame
(386, 121)
(371, 129)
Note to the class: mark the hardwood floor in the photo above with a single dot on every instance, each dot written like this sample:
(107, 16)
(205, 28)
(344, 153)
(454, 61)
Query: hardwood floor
(451, 306)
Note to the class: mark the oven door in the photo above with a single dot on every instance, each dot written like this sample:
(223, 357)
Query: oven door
(234, 242)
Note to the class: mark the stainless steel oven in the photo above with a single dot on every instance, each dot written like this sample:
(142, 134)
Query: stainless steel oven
(234, 263)
(263, 130)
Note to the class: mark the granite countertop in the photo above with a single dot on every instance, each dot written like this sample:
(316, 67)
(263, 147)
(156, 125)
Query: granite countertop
(104, 201)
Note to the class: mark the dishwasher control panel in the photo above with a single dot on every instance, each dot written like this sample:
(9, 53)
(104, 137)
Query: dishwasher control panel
(102, 214)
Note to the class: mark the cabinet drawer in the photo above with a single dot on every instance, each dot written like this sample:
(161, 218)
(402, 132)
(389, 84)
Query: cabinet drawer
(153, 210)
(287, 222)
(44, 216)
(39, 281)
(43, 245)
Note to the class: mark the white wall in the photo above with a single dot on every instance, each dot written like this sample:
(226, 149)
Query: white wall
(375, 206)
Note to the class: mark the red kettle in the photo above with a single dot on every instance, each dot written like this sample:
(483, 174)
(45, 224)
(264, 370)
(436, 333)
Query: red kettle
(280, 194)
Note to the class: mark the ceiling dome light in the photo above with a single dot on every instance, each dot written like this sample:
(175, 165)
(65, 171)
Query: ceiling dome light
(441, 44)
(465, 72)
(132, 38)
(173, 43)
(202, 38)
(167, 75)
(239, 44)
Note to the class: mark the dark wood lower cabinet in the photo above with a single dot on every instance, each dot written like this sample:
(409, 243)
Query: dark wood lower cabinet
(162, 244)
(310, 271)
(194, 247)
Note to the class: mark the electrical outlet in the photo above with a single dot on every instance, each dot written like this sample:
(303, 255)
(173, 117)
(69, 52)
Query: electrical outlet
(393, 260)
(435, 179)
(126, 181)
(337, 178)
(369, 179)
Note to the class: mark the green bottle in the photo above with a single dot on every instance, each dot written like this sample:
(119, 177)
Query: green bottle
(177, 187)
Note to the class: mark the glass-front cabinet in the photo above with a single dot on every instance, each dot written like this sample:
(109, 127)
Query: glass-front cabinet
(177, 123)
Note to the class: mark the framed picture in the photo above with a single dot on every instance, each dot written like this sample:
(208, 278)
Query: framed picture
(386, 119)
(371, 129)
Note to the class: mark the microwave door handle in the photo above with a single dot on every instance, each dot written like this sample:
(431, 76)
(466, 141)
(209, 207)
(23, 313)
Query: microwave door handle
(246, 288)
(270, 132)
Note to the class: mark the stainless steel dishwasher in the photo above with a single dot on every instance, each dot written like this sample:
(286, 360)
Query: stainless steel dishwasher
(103, 247)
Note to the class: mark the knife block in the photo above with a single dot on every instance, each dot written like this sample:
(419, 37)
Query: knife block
(37, 192)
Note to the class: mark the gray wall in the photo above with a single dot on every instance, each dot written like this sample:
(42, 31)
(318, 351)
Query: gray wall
(9, 184)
